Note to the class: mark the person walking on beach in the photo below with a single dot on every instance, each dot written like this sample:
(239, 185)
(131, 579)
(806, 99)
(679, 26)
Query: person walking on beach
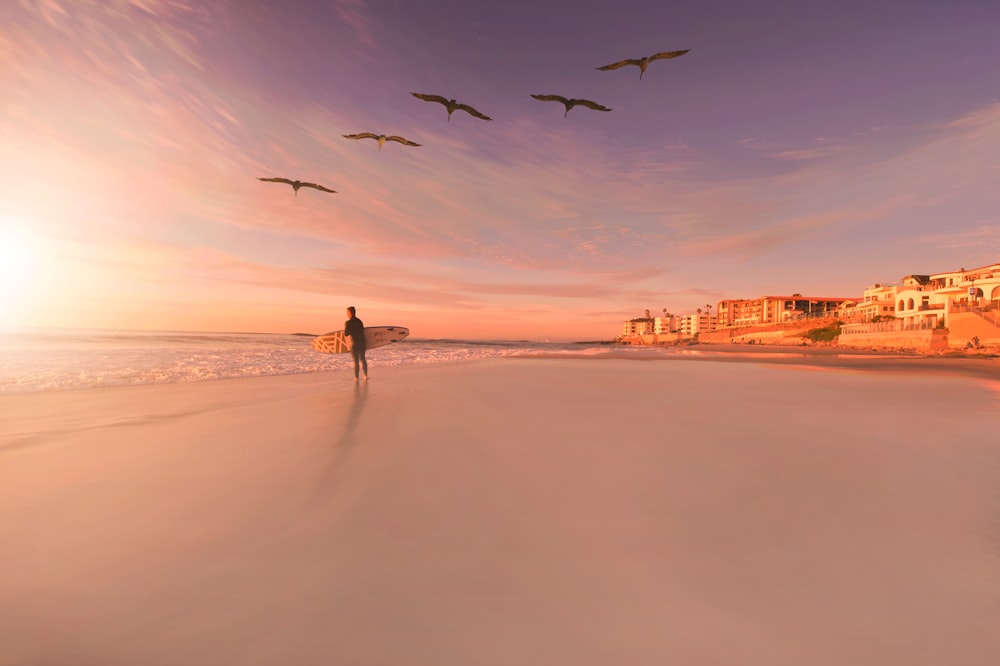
(354, 333)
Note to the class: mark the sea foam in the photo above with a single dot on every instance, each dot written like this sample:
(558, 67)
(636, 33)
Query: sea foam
(59, 359)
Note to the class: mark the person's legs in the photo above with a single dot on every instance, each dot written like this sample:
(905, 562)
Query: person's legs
(364, 365)
(358, 356)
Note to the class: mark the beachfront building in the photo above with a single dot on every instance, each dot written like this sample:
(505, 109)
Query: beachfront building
(698, 322)
(776, 309)
(878, 302)
(925, 300)
(918, 304)
(976, 287)
(666, 325)
(848, 311)
(638, 326)
(915, 302)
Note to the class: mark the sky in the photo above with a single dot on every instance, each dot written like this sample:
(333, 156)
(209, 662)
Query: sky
(799, 147)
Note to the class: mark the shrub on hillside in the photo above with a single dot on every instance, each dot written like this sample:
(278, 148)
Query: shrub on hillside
(824, 334)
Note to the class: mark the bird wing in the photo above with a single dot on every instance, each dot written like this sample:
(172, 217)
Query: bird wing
(591, 105)
(361, 135)
(468, 109)
(620, 63)
(319, 187)
(276, 180)
(667, 54)
(551, 98)
(399, 139)
(431, 98)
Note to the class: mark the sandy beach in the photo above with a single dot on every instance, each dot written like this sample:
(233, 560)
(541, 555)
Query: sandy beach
(775, 511)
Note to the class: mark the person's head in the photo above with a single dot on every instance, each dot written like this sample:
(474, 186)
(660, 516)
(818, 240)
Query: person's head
(350, 311)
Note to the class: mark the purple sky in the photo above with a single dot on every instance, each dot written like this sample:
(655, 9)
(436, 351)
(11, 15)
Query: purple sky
(812, 147)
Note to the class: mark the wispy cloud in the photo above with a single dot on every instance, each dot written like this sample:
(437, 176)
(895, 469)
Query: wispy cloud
(984, 235)
(948, 166)
(353, 14)
(818, 148)
(815, 152)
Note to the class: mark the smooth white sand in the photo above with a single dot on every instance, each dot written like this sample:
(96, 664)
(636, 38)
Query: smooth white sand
(515, 511)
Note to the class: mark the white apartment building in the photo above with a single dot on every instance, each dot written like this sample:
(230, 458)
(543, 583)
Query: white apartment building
(978, 286)
(879, 301)
(669, 324)
(925, 300)
(917, 305)
(920, 301)
(698, 322)
(639, 326)
(666, 325)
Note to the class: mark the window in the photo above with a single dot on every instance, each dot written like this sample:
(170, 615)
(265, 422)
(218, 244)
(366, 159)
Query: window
(909, 304)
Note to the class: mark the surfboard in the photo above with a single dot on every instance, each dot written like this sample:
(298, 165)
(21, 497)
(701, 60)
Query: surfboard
(375, 336)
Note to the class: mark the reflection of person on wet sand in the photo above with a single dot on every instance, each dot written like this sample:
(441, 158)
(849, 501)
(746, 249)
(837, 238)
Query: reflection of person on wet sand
(354, 334)
(344, 444)
(346, 440)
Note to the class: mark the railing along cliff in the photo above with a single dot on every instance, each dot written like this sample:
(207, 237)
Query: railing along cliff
(892, 325)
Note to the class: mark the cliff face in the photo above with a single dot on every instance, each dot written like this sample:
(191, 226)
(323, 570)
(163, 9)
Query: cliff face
(784, 333)
(928, 339)
(964, 326)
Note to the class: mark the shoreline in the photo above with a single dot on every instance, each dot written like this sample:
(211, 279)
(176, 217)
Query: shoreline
(827, 348)
(833, 347)
(976, 365)
(821, 348)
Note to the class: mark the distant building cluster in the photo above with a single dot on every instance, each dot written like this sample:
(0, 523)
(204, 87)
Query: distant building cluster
(916, 301)
(667, 324)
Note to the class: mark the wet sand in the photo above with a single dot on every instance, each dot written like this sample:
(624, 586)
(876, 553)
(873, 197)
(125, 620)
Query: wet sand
(510, 511)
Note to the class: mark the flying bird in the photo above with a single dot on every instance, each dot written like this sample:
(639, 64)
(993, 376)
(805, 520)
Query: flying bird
(381, 138)
(643, 63)
(570, 103)
(451, 105)
(296, 184)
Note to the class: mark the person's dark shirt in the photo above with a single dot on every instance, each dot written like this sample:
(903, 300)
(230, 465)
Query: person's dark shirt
(354, 328)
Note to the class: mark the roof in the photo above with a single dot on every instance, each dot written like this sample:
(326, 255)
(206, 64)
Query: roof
(792, 298)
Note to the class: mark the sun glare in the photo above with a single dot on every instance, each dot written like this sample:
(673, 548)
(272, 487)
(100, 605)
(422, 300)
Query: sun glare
(18, 268)
(15, 259)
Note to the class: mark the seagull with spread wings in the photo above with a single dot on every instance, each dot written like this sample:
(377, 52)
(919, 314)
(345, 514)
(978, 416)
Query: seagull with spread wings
(451, 105)
(296, 184)
(643, 63)
(381, 138)
(569, 103)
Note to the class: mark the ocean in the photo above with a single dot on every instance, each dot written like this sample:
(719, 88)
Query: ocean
(60, 359)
